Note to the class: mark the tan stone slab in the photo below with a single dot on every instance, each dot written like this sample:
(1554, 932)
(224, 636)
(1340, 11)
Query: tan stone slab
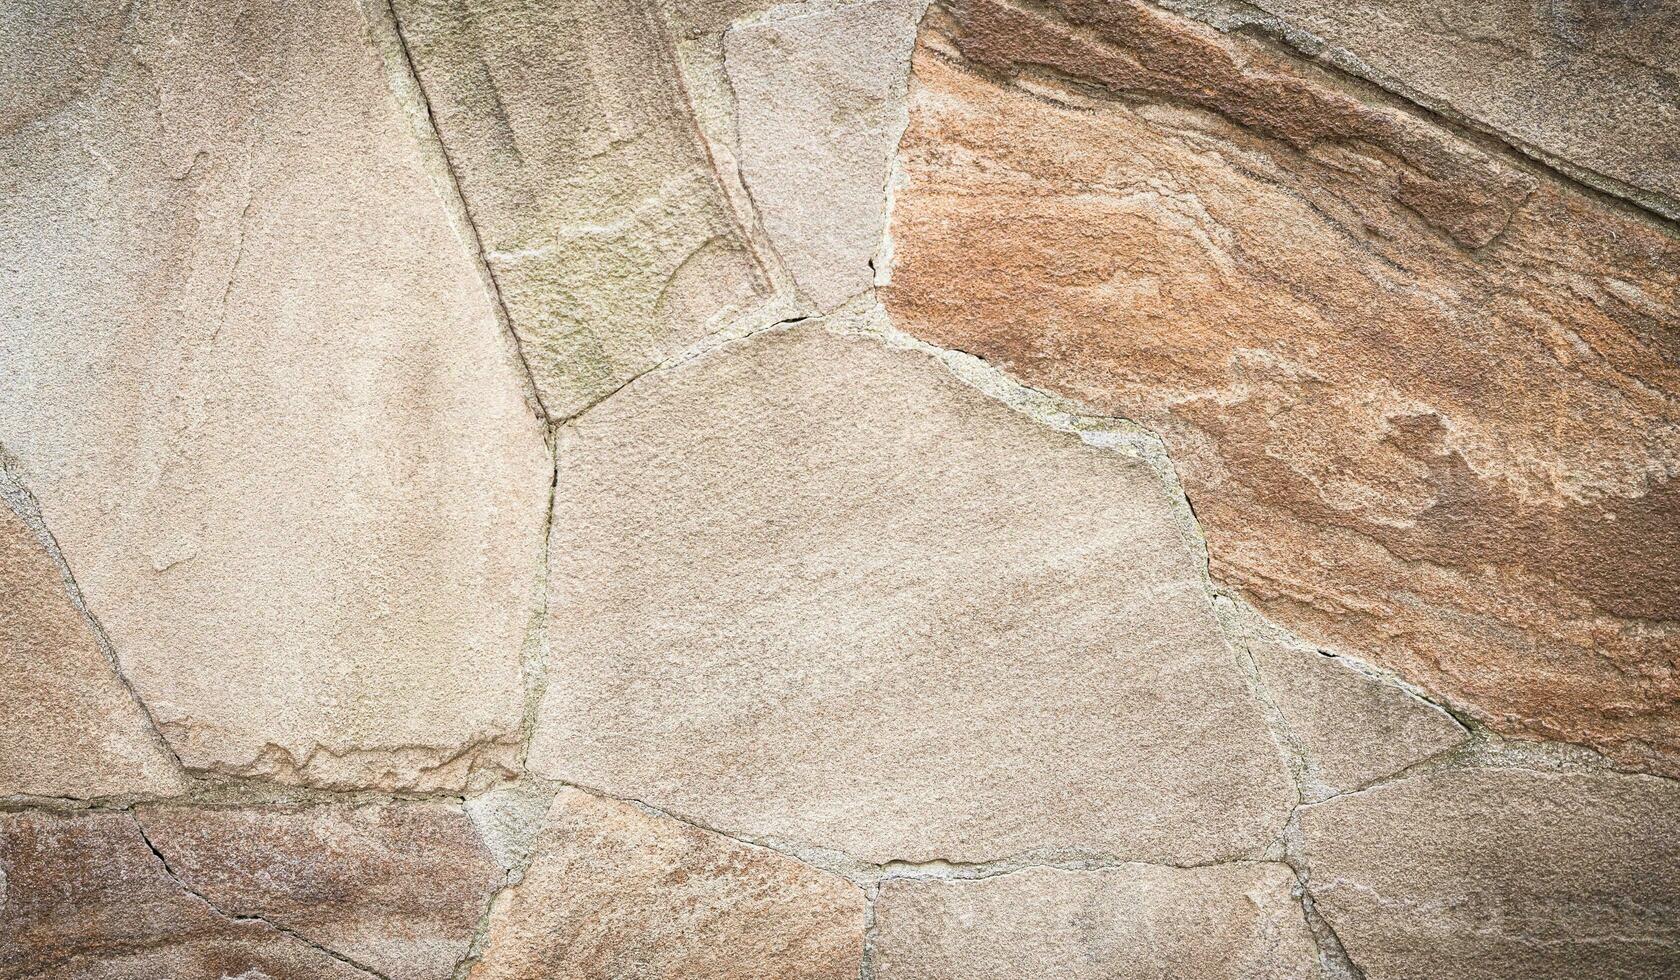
(617, 893)
(68, 727)
(82, 897)
(1493, 874)
(819, 109)
(812, 588)
(1123, 923)
(595, 196)
(1422, 400)
(256, 381)
(397, 888)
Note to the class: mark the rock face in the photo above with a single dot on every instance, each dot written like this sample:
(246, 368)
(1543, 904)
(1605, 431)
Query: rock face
(615, 892)
(764, 619)
(602, 216)
(819, 108)
(1504, 874)
(1422, 399)
(1132, 922)
(67, 725)
(256, 381)
(396, 888)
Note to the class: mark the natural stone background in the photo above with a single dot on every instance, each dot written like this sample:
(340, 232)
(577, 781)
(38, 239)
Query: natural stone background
(855, 488)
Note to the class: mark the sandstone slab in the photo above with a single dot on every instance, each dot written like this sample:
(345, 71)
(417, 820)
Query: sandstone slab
(1422, 399)
(82, 897)
(819, 109)
(68, 727)
(594, 194)
(615, 892)
(256, 381)
(813, 588)
(397, 888)
(1137, 921)
(1487, 874)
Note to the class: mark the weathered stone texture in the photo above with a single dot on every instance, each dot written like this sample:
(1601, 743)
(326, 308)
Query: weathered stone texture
(398, 888)
(1490, 874)
(813, 588)
(255, 379)
(1237, 921)
(819, 111)
(1422, 399)
(618, 893)
(595, 196)
(67, 725)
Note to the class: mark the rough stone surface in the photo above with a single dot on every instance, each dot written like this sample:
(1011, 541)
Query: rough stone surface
(819, 110)
(1422, 399)
(67, 725)
(813, 588)
(603, 220)
(1502, 874)
(1587, 84)
(255, 379)
(397, 888)
(615, 892)
(1236, 921)
(82, 897)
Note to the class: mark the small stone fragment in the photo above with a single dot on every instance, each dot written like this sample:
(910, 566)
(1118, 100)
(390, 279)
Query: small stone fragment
(819, 109)
(1240, 921)
(815, 589)
(1502, 874)
(398, 888)
(67, 725)
(618, 894)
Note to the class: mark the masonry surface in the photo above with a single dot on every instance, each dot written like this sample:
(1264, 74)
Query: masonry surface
(873, 489)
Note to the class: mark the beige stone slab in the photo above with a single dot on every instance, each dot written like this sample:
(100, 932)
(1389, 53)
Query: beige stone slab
(82, 897)
(1126, 923)
(594, 193)
(68, 727)
(813, 588)
(1422, 398)
(1492, 874)
(615, 892)
(397, 888)
(256, 381)
(819, 109)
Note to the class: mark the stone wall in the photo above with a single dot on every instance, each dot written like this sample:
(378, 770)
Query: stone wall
(853, 488)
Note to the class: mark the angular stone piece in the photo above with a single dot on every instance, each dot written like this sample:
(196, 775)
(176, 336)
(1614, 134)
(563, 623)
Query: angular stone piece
(594, 194)
(1422, 400)
(83, 898)
(1139, 921)
(618, 893)
(1492, 874)
(819, 110)
(67, 725)
(1589, 84)
(398, 888)
(811, 588)
(255, 379)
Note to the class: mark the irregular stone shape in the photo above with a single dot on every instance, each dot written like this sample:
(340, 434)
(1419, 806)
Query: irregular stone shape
(1349, 727)
(811, 588)
(1587, 84)
(83, 898)
(617, 893)
(1502, 874)
(256, 381)
(819, 109)
(67, 725)
(1138, 921)
(593, 192)
(1422, 401)
(396, 887)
